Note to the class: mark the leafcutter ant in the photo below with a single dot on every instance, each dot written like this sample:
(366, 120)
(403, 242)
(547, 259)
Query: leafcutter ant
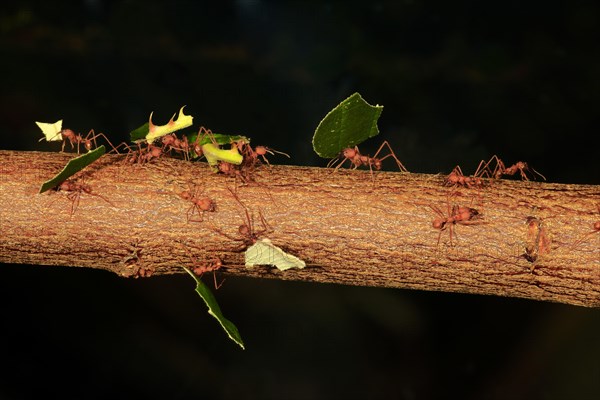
(200, 204)
(521, 167)
(75, 139)
(74, 190)
(248, 234)
(457, 178)
(357, 159)
(200, 269)
(455, 215)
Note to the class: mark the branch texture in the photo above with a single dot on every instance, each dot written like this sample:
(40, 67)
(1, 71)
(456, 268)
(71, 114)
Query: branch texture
(531, 240)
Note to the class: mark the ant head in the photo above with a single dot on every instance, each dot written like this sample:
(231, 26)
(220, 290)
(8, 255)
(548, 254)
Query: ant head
(67, 133)
(260, 150)
(186, 195)
(438, 223)
(169, 139)
(206, 204)
(225, 167)
(597, 226)
(198, 150)
(88, 144)
(244, 230)
(350, 153)
(154, 151)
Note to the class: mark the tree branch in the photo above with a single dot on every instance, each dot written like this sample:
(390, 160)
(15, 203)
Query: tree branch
(533, 240)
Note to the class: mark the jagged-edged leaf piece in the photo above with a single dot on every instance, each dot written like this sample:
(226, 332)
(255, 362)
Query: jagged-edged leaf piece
(264, 252)
(150, 132)
(215, 310)
(350, 123)
(51, 131)
(74, 166)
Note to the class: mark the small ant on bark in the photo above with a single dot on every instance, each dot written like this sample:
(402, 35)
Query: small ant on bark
(455, 215)
(75, 189)
(200, 204)
(357, 159)
(457, 178)
(248, 233)
(521, 167)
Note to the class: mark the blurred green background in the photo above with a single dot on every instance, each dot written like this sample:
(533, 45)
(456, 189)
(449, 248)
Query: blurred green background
(460, 81)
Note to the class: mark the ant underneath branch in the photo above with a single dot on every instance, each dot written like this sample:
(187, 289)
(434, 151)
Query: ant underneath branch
(455, 215)
(248, 233)
(75, 190)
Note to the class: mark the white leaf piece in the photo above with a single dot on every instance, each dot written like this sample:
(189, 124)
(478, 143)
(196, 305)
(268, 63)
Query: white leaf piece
(263, 252)
(51, 131)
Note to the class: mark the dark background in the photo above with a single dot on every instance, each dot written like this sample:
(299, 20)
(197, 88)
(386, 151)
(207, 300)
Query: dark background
(460, 81)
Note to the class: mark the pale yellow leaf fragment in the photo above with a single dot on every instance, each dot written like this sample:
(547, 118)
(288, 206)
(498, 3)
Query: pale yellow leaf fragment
(263, 252)
(157, 131)
(51, 131)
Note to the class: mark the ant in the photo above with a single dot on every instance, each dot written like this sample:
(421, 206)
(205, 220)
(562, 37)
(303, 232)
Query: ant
(251, 156)
(457, 178)
(200, 204)
(249, 235)
(141, 155)
(172, 142)
(356, 159)
(455, 215)
(76, 139)
(201, 269)
(520, 166)
(75, 189)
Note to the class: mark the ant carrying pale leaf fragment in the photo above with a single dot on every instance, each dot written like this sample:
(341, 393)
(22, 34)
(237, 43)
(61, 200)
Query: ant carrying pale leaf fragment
(263, 252)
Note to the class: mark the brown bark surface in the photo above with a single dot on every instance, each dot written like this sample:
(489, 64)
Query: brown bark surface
(534, 240)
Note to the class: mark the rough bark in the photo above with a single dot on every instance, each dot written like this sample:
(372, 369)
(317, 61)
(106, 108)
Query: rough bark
(534, 240)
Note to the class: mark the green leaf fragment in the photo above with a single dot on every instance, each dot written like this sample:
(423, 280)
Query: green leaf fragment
(214, 154)
(215, 310)
(264, 252)
(139, 134)
(350, 123)
(73, 166)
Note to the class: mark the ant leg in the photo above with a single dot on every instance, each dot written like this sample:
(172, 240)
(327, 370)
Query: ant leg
(391, 154)
(105, 138)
